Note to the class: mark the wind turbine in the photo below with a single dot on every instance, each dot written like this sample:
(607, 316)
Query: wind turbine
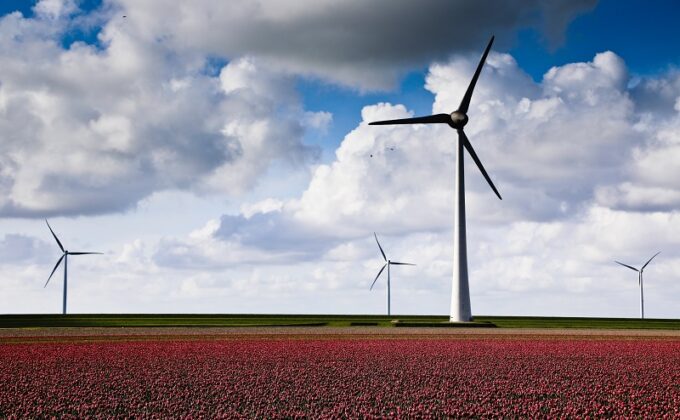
(388, 263)
(460, 290)
(64, 257)
(640, 282)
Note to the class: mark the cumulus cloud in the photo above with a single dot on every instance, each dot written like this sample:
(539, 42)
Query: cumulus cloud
(553, 147)
(572, 155)
(54, 9)
(656, 96)
(649, 181)
(585, 160)
(90, 130)
(547, 145)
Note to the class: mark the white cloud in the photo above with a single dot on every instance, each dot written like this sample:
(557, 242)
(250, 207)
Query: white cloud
(265, 206)
(91, 130)
(556, 149)
(656, 96)
(585, 163)
(54, 9)
(318, 120)
(588, 82)
(145, 105)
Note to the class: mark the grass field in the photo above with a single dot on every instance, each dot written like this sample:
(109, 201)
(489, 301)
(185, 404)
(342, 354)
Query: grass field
(235, 320)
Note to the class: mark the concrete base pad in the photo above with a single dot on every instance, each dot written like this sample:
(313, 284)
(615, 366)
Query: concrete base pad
(471, 324)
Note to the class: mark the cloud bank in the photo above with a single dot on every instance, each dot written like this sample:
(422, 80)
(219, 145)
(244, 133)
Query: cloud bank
(203, 98)
(586, 178)
(161, 102)
(89, 131)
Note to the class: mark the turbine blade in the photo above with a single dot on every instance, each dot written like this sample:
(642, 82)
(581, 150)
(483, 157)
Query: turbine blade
(55, 236)
(465, 103)
(84, 253)
(54, 269)
(400, 263)
(430, 119)
(650, 260)
(381, 250)
(626, 265)
(376, 277)
(468, 146)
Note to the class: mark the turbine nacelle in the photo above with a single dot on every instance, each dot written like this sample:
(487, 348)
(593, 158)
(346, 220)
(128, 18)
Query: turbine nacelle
(458, 120)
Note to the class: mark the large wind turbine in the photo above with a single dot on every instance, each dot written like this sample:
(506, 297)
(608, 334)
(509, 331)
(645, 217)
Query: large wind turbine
(640, 282)
(388, 263)
(460, 290)
(64, 257)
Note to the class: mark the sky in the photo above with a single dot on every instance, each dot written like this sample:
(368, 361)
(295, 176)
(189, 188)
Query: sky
(218, 155)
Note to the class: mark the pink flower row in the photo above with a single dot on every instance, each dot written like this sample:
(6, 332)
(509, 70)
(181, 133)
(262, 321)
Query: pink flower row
(282, 377)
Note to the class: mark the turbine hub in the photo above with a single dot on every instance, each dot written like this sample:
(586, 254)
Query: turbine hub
(458, 120)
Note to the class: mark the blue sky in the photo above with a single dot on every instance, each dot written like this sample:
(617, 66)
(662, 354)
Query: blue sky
(223, 163)
(640, 32)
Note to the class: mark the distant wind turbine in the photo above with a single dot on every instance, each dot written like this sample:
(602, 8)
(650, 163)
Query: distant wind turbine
(460, 290)
(64, 257)
(388, 263)
(640, 282)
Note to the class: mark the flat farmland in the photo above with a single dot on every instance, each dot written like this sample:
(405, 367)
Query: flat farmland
(338, 372)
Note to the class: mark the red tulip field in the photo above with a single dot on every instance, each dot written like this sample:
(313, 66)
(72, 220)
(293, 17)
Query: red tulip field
(314, 377)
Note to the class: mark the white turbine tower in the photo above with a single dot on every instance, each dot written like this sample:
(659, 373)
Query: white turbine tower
(64, 257)
(388, 263)
(640, 282)
(460, 289)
